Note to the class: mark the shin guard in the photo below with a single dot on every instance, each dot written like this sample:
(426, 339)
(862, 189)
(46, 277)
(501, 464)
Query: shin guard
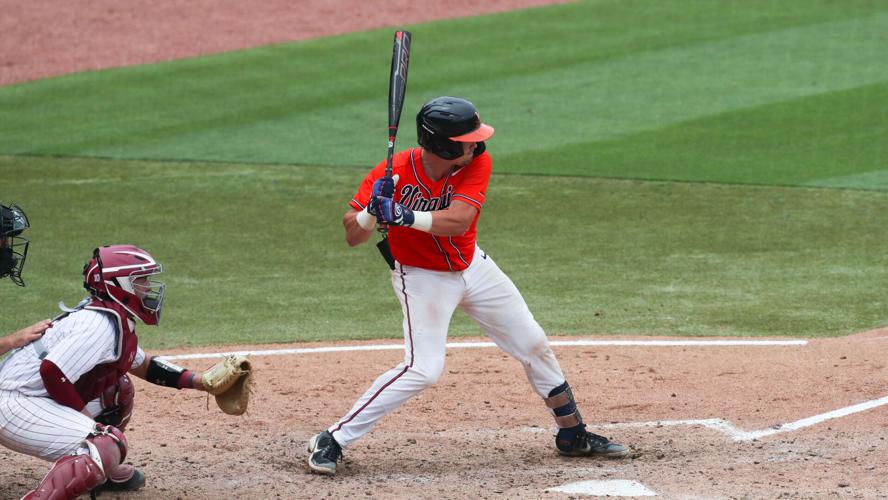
(74, 475)
(563, 407)
(70, 477)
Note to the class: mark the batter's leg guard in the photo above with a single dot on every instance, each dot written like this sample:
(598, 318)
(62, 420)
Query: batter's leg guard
(563, 406)
(573, 439)
(117, 403)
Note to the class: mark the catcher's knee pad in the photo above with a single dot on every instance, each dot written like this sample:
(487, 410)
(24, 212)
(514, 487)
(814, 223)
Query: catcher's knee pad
(107, 447)
(117, 403)
(69, 477)
(563, 406)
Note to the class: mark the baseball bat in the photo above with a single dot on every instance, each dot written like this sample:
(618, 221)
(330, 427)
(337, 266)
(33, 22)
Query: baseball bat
(397, 90)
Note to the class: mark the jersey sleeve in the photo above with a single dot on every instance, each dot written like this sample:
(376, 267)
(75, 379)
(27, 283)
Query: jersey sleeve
(362, 197)
(473, 187)
(138, 359)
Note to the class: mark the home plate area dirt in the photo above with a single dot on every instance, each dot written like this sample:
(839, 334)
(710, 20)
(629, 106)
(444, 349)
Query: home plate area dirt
(685, 410)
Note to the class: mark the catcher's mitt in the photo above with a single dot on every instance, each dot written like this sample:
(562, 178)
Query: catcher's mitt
(229, 380)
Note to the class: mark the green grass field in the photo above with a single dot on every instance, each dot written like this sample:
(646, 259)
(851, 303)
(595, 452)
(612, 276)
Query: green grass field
(661, 168)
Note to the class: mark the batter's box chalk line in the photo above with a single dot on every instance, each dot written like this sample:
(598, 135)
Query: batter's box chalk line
(741, 435)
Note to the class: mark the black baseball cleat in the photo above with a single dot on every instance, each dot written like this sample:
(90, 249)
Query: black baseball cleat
(135, 482)
(324, 452)
(587, 444)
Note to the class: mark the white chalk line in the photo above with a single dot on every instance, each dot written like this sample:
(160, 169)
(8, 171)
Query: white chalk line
(712, 423)
(475, 345)
(612, 487)
(741, 435)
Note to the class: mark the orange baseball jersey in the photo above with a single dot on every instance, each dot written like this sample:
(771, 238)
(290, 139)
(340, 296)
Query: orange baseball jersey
(417, 192)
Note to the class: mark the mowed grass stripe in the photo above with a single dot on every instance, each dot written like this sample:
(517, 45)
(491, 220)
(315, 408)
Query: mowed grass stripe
(256, 254)
(590, 71)
(602, 100)
(836, 139)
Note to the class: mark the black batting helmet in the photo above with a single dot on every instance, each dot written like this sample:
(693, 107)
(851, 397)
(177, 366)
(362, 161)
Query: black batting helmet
(445, 122)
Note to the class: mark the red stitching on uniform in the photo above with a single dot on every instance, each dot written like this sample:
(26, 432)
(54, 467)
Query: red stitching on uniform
(392, 381)
(473, 200)
(416, 174)
(458, 253)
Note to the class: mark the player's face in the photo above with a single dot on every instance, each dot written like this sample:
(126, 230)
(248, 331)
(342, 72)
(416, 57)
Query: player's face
(468, 153)
(141, 286)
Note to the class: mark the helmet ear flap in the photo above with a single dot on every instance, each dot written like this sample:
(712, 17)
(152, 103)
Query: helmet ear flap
(92, 276)
(433, 141)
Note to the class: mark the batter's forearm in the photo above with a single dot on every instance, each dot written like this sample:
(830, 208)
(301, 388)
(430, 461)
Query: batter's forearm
(354, 233)
(455, 220)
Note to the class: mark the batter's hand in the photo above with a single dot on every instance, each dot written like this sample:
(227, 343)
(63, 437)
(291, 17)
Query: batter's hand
(393, 213)
(383, 187)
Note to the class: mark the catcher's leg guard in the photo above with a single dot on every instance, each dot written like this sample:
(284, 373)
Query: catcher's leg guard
(74, 475)
(117, 403)
(70, 477)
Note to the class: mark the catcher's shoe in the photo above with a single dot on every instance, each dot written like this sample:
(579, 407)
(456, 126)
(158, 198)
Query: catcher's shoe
(324, 452)
(135, 479)
(587, 444)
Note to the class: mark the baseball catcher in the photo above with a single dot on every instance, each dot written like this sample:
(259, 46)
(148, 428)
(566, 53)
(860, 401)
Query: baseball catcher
(67, 397)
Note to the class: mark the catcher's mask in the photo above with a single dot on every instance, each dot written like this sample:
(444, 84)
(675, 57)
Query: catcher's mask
(443, 123)
(13, 248)
(125, 274)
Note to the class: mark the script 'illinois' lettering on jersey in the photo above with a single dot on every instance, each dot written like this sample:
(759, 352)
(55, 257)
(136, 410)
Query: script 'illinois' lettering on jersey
(417, 191)
(413, 198)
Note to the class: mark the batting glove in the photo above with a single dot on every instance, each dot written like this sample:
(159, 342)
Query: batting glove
(393, 213)
(383, 187)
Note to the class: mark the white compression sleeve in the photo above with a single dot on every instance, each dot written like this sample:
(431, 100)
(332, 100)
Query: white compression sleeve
(422, 221)
(365, 220)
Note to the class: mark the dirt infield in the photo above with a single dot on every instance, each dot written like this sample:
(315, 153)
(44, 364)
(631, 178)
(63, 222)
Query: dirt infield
(481, 432)
(42, 39)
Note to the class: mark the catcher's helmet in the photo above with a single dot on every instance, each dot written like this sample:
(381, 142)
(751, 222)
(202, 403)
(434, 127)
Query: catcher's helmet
(445, 122)
(13, 248)
(123, 273)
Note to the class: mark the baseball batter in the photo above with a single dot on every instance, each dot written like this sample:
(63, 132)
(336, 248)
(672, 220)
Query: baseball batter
(67, 396)
(431, 205)
(13, 251)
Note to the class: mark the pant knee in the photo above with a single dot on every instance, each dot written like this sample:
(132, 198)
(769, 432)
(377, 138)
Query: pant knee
(428, 372)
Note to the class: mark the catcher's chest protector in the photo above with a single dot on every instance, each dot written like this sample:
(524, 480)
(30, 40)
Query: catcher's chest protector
(94, 382)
